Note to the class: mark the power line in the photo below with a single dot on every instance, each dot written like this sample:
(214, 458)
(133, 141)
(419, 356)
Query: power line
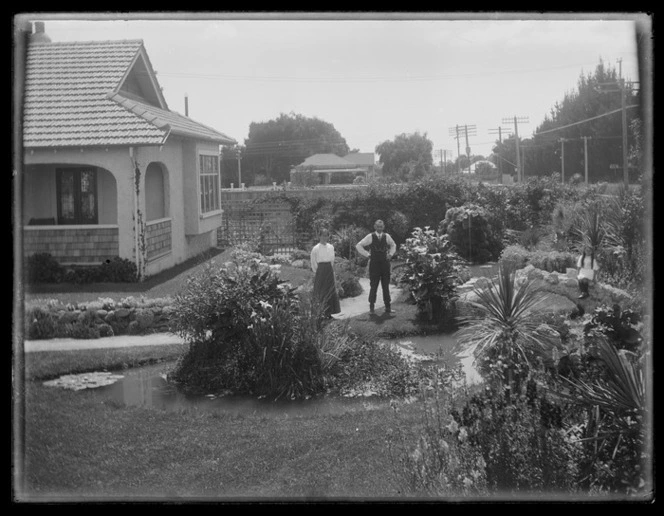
(586, 120)
(363, 79)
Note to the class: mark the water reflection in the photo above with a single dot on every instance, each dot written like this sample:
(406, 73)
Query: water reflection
(148, 387)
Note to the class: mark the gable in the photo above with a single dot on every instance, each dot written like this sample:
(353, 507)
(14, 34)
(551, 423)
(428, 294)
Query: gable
(140, 83)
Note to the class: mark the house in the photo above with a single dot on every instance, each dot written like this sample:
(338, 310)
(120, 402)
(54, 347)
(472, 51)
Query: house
(334, 169)
(108, 169)
(483, 164)
(364, 159)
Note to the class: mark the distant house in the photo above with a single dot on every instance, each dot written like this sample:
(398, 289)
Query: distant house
(334, 169)
(109, 169)
(482, 164)
(363, 159)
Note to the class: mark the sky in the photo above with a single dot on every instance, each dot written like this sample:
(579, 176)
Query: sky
(372, 76)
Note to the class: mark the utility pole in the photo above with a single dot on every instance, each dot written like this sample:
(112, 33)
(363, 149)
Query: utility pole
(239, 167)
(620, 87)
(585, 156)
(624, 126)
(562, 157)
(499, 132)
(454, 133)
(473, 130)
(468, 130)
(517, 121)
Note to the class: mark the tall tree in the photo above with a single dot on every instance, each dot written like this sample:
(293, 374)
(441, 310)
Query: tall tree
(543, 155)
(407, 157)
(274, 147)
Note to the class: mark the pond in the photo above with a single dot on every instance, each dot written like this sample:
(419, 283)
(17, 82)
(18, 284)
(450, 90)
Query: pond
(148, 387)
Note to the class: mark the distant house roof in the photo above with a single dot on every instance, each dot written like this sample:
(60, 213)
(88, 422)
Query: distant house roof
(366, 159)
(76, 94)
(474, 166)
(325, 160)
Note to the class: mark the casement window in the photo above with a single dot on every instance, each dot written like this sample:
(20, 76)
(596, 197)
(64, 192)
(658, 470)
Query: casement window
(209, 182)
(76, 189)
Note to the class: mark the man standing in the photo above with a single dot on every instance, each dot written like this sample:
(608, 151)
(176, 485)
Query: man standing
(381, 249)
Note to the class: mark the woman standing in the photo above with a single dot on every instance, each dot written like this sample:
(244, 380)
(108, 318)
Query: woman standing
(322, 262)
(586, 265)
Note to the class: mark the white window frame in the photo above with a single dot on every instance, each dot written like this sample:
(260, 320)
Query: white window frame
(209, 195)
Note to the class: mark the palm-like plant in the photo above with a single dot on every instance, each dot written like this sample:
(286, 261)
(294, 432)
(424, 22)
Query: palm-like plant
(620, 392)
(505, 328)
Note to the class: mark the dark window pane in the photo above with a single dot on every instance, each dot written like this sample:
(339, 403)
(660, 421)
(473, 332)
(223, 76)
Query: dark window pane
(67, 206)
(88, 197)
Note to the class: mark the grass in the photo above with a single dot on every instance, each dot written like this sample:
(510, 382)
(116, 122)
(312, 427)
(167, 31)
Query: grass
(165, 284)
(45, 365)
(85, 446)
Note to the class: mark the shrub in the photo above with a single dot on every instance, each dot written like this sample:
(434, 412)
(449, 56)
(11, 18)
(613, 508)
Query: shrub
(43, 268)
(261, 180)
(39, 324)
(440, 461)
(468, 229)
(371, 367)
(220, 312)
(431, 271)
(118, 270)
(520, 441)
(398, 226)
(345, 239)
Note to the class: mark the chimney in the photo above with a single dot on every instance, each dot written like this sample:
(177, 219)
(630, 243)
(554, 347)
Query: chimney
(39, 36)
(186, 105)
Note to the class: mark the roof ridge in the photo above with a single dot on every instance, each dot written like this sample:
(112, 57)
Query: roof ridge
(90, 42)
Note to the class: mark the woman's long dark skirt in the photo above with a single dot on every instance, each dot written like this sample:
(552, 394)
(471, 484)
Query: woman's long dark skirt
(325, 291)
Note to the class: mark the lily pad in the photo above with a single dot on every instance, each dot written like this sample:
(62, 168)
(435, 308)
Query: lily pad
(78, 382)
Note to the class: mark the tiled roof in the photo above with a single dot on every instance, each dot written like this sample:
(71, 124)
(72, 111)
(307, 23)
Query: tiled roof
(170, 120)
(68, 99)
(365, 159)
(325, 160)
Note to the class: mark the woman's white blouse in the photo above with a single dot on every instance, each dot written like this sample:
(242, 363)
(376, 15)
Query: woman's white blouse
(321, 253)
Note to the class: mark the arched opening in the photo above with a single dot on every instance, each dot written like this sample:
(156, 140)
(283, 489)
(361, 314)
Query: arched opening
(156, 192)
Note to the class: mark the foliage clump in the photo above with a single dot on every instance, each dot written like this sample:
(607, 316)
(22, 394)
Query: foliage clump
(432, 271)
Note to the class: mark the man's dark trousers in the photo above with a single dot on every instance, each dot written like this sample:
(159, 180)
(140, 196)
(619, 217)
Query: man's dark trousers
(379, 272)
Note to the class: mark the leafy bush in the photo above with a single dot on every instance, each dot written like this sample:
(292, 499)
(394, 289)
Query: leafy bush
(261, 180)
(520, 441)
(39, 324)
(118, 270)
(347, 274)
(398, 226)
(345, 239)
(43, 268)
(468, 229)
(620, 327)
(371, 367)
(431, 272)
(441, 461)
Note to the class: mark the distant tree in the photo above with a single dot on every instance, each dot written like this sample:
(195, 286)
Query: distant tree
(406, 157)
(274, 147)
(604, 145)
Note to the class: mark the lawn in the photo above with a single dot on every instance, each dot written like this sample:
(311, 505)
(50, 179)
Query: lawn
(85, 446)
(165, 284)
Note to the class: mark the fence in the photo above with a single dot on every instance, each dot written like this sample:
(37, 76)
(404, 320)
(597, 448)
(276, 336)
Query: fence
(271, 223)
